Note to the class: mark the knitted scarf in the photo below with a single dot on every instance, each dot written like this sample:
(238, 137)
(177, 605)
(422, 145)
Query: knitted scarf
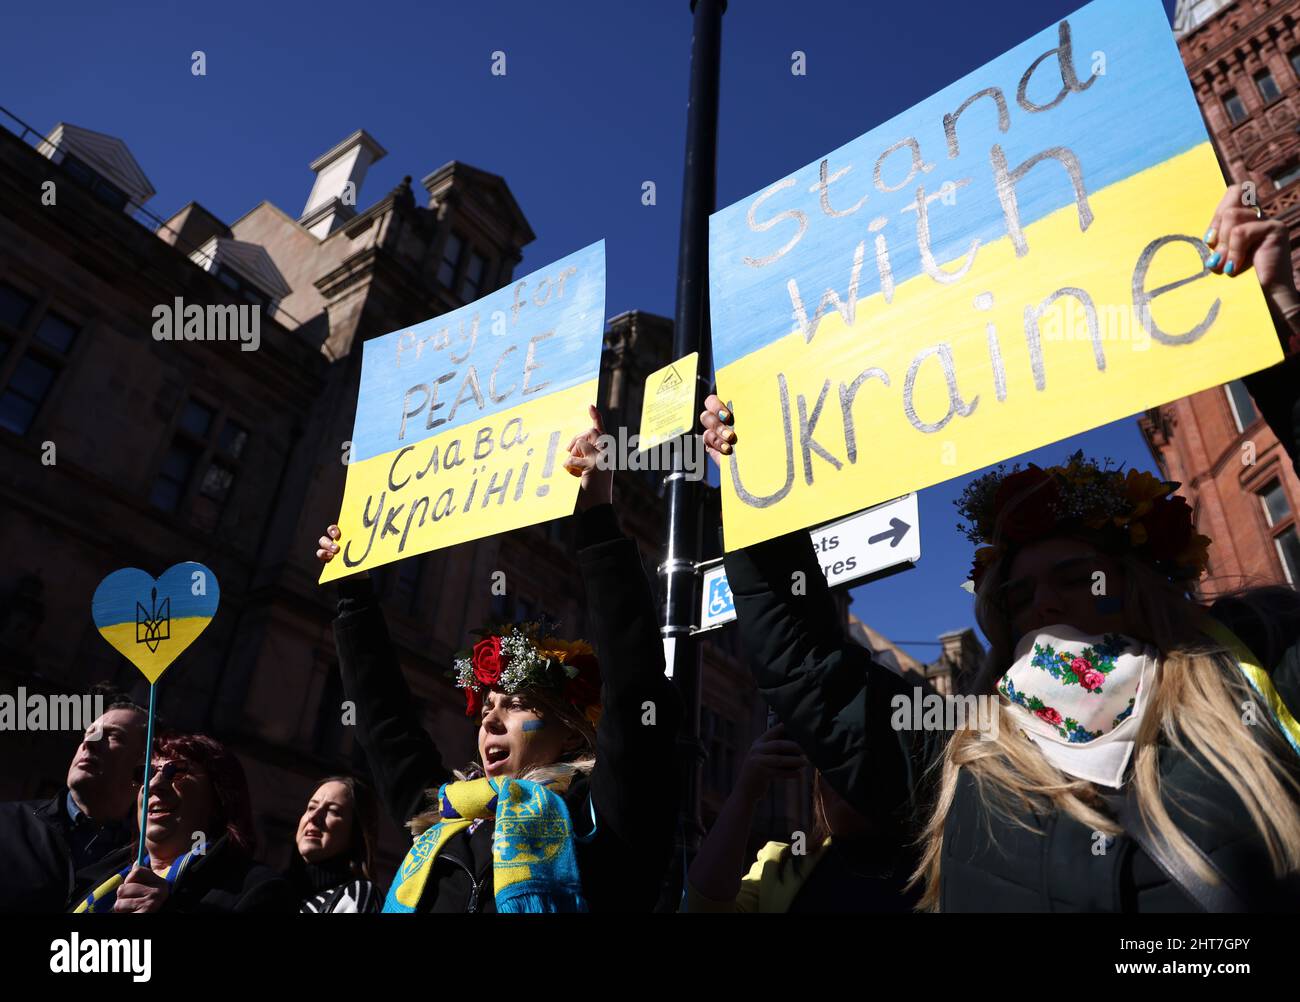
(103, 897)
(534, 868)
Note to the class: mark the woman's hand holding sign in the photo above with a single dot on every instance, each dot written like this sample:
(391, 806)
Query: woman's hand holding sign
(585, 452)
(1242, 238)
(718, 435)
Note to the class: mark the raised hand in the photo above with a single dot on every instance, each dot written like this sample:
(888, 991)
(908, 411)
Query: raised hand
(718, 435)
(584, 461)
(1241, 238)
(326, 545)
(771, 757)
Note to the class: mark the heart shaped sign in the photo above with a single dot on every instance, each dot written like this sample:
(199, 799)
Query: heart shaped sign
(150, 621)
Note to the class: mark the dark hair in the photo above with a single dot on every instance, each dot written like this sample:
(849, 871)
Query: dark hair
(232, 809)
(118, 699)
(360, 852)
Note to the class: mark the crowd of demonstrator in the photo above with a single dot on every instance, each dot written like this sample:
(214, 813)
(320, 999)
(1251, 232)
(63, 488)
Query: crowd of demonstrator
(1133, 718)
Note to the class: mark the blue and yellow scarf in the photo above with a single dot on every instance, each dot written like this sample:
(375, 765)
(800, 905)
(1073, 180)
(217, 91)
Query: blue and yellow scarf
(534, 867)
(103, 897)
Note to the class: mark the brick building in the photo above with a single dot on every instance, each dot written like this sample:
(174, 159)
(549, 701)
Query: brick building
(168, 451)
(1243, 59)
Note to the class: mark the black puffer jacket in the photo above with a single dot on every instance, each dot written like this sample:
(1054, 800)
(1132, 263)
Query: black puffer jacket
(836, 703)
(632, 793)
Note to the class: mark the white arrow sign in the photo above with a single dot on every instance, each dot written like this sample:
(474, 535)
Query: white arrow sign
(848, 549)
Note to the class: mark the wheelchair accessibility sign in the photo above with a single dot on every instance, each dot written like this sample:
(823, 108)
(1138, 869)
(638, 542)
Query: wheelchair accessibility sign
(717, 606)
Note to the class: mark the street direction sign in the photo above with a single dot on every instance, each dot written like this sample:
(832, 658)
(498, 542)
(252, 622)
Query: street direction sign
(848, 549)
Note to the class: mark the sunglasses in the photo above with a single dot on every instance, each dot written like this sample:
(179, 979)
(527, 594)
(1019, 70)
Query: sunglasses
(168, 771)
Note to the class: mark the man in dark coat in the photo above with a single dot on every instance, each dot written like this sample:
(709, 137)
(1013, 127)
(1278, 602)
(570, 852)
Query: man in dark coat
(50, 844)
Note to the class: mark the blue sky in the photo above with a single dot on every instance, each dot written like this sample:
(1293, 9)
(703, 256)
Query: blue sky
(592, 105)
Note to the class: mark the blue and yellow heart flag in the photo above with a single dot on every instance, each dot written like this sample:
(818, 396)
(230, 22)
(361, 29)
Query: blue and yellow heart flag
(151, 621)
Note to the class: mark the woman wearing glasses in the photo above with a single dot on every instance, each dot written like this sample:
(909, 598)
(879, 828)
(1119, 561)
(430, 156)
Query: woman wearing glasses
(198, 840)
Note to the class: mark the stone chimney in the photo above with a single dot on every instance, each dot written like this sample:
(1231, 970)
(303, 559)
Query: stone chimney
(339, 174)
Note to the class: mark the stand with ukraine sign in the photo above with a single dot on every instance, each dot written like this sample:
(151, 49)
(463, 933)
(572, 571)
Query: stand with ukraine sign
(1013, 261)
(462, 420)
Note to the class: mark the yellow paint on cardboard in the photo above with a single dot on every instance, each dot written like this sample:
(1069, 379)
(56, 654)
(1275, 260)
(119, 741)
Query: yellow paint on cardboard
(152, 664)
(415, 506)
(894, 457)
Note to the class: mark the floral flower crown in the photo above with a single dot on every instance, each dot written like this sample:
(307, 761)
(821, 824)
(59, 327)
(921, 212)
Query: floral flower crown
(1119, 509)
(516, 657)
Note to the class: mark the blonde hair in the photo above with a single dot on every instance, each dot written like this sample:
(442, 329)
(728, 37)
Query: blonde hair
(578, 763)
(1196, 708)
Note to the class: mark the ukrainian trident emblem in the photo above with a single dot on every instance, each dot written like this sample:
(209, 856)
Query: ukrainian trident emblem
(153, 625)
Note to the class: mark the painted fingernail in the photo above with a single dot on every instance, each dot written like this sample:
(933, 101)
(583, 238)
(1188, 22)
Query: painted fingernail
(1229, 267)
(1215, 258)
(334, 548)
(725, 448)
(1210, 234)
(729, 435)
(724, 413)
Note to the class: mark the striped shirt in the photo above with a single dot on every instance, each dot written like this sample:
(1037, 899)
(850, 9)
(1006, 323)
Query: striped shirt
(354, 896)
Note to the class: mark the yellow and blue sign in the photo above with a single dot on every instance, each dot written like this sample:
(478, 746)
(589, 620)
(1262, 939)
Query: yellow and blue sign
(151, 622)
(463, 420)
(1014, 260)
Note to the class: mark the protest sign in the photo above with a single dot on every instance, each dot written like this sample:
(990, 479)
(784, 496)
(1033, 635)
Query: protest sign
(462, 420)
(1010, 262)
(150, 623)
(668, 402)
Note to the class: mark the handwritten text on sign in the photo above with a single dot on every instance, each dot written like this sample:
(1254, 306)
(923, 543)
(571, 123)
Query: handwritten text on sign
(1013, 261)
(462, 420)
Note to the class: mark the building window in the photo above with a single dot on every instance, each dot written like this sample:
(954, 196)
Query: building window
(451, 254)
(1267, 86)
(174, 476)
(37, 357)
(503, 608)
(104, 190)
(242, 287)
(1286, 175)
(28, 386)
(1243, 408)
(14, 307)
(1276, 508)
(206, 450)
(1277, 512)
(472, 287)
(1288, 551)
(1235, 109)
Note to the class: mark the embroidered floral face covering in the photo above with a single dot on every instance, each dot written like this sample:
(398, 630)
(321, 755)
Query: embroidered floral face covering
(1079, 697)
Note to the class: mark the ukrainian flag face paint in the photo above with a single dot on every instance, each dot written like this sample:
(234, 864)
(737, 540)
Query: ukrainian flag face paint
(514, 737)
(152, 621)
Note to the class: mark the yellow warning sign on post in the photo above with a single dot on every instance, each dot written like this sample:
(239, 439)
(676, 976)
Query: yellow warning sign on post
(668, 405)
